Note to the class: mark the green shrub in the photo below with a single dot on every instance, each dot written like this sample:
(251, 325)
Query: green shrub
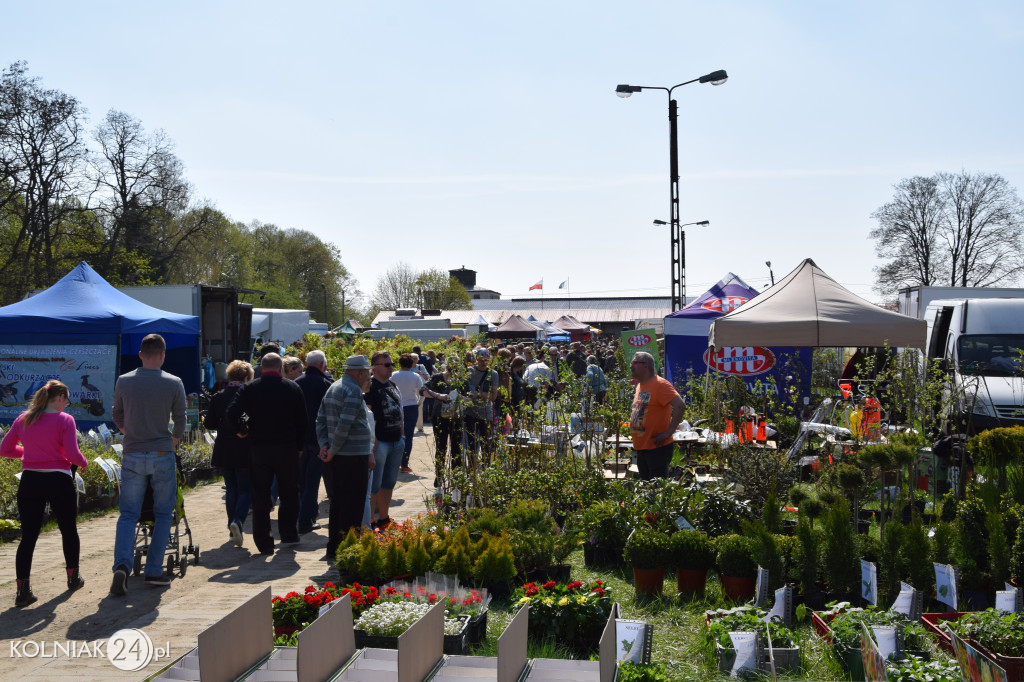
(839, 555)
(692, 550)
(808, 556)
(647, 548)
(735, 557)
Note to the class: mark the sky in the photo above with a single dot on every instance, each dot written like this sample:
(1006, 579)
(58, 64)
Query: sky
(487, 135)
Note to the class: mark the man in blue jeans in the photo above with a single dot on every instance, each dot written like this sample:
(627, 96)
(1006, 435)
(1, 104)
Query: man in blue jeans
(385, 402)
(144, 399)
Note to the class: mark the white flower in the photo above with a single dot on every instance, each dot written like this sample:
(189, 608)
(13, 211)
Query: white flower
(390, 619)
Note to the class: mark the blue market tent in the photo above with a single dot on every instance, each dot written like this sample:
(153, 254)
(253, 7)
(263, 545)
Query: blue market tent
(83, 311)
(686, 343)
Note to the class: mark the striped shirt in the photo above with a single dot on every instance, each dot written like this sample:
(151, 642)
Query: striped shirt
(341, 423)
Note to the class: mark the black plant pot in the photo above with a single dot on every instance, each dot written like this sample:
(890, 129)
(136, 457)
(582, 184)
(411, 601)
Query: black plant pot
(559, 573)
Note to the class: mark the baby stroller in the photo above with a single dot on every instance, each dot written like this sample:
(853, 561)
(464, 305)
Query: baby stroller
(179, 541)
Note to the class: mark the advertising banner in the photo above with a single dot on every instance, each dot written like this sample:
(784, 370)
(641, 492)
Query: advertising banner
(640, 340)
(89, 372)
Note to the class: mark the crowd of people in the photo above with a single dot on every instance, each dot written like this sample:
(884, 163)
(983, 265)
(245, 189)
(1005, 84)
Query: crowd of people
(282, 426)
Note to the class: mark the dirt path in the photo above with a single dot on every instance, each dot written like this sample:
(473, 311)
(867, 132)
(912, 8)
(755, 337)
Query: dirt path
(35, 640)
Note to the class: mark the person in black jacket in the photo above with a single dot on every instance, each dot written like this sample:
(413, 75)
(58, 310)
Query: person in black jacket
(314, 384)
(277, 433)
(230, 452)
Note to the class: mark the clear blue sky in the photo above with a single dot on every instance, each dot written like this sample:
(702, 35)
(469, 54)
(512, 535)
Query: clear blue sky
(488, 134)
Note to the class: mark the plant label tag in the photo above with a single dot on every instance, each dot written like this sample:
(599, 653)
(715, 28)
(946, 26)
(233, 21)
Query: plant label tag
(761, 588)
(783, 606)
(106, 469)
(683, 524)
(1006, 601)
(79, 484)
(116, 468)
(326, 607)
(209, 438)
(105, 434)
(945, 584)
(635, 639)
(885, 635)
(118, 448)
(869, 582)
(745, 644)
(1019, 595)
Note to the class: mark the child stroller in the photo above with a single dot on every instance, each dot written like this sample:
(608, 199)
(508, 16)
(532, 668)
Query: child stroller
(179, 541)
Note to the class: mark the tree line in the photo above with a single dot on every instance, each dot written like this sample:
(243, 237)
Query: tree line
(116, 196)
(950, 229)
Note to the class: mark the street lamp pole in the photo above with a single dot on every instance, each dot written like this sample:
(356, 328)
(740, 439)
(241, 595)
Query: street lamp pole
(678, 258)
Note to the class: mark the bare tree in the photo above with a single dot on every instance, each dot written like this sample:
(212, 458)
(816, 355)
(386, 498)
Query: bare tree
(983, 226)
(959, 229)
(396, 289)
(41, 158)
(907, 235)
(142, 196)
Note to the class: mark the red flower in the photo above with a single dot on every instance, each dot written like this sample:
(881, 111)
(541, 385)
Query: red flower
(310, 588)
(574, 585)
(599, 591)
(432, 598)
(549, 585)
(290, 595)
(390, 591)
(329, 585)
(532, 591)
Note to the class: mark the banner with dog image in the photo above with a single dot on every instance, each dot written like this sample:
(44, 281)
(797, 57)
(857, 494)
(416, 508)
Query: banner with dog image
(88, 371)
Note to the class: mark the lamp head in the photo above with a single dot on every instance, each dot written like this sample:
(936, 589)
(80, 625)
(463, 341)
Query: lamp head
(704, 223)
(715, 77)
(660, 222)
(626, 90)
(768, 263)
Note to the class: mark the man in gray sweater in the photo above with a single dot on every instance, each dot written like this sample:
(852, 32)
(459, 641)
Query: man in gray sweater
(144, 399)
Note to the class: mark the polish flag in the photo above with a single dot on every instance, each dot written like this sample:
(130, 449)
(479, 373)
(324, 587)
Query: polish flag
(538, 285)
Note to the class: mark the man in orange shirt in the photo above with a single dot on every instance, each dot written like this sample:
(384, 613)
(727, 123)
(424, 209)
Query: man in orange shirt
(657, 411)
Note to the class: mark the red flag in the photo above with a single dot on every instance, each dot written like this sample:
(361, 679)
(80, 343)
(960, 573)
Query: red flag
(538, 285)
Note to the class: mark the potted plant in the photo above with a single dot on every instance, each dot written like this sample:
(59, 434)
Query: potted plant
(647, 551)
(604, 533)
(381, 624)
(571, 613)
(747, 618)
(1000, 634)
(693, 553)
(736, 567)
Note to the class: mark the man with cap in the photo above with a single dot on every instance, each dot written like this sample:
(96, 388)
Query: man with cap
(346, 446)
(483, 390)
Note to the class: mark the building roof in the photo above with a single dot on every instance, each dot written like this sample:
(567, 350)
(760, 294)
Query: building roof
(594, 311)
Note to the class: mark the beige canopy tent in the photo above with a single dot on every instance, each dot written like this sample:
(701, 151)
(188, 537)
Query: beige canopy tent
(810, 309)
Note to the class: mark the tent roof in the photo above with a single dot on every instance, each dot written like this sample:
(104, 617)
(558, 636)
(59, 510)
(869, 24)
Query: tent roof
(82, 302)
(725, 296)
(516, 323)
(810, 309)
(570, 323)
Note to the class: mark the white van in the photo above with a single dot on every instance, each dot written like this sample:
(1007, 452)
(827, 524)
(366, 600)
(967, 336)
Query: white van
(981, 342)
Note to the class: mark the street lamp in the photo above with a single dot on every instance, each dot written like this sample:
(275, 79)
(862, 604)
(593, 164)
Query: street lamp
(770, 273)
(678, 266)
(680, 238)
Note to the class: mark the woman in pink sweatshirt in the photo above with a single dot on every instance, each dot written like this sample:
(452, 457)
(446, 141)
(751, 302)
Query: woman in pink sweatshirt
(45, 439)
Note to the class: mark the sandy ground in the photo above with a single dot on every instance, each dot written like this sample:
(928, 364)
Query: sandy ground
(46, 640)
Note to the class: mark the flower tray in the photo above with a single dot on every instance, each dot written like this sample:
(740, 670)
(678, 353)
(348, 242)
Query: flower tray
(931, 624)
(850, 658)
(785, 659)
(477, 629)
(454, 645)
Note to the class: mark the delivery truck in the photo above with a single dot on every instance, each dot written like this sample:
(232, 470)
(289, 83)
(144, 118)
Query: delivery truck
(225, 322)
(980, 344)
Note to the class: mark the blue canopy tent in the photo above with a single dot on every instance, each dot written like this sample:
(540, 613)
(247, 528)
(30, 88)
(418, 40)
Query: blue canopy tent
(85, 332)
(686, 343)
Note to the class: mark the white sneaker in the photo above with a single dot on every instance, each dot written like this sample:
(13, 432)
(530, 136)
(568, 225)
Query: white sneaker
(236, 533)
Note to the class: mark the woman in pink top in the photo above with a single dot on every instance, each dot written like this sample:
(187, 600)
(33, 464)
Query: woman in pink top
(45, 439)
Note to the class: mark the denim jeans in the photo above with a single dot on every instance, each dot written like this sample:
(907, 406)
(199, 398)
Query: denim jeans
(139, 470)
(238, 495)
(310, 469)
(388, 458)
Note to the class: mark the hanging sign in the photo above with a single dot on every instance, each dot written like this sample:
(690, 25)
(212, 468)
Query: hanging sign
(640, 340)
(945, 584)
(869, 582)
